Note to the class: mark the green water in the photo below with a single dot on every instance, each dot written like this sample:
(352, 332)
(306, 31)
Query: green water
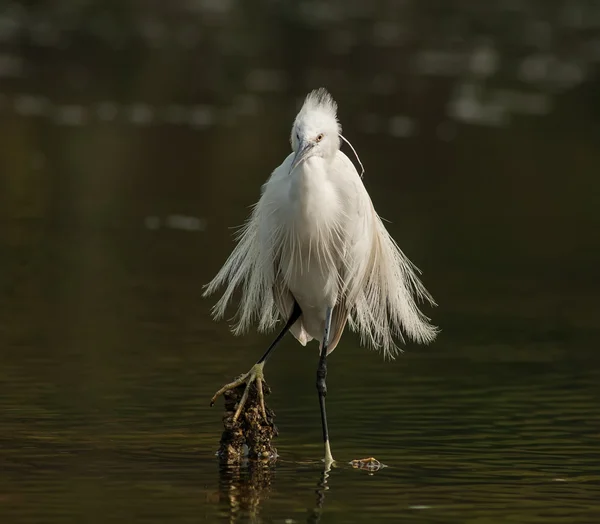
(111, 360)
(108, 355)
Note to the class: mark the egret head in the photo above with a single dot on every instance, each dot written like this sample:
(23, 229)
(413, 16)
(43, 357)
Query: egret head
(316, 130)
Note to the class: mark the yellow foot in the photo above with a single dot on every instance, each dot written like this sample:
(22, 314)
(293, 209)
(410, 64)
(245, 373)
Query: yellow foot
(255, 374)
(329, 461)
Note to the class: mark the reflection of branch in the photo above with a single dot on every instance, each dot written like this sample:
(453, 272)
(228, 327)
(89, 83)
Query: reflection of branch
(317, 511)
(243, 486)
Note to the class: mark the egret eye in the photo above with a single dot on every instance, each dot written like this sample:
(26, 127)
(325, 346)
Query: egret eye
(320, 137)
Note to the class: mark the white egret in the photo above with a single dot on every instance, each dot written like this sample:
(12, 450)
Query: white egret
(315, 253)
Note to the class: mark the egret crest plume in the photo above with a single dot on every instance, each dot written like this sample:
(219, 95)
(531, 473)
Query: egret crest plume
(319, 100)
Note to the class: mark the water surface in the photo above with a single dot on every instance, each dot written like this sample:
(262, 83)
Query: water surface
(121, 177)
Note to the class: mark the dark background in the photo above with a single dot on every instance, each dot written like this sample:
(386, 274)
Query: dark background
(134, 135)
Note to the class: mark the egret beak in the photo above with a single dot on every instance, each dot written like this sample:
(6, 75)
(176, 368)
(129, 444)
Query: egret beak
(304, 149)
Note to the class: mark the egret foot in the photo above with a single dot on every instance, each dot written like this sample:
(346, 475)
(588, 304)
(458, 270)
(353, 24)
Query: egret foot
(255, 374)
(329, 460)
(251, 436)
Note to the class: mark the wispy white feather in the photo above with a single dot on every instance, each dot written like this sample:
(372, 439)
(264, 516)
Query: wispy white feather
(314, 237)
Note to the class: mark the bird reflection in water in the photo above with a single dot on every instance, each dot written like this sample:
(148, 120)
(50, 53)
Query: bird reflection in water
(322, 487)
(243, 487)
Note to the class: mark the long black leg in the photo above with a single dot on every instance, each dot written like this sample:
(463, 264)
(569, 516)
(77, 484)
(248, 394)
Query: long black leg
(322, 386)
(296, 312)
(256, 373)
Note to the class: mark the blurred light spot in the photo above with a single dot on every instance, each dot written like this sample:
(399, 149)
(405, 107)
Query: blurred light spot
(534, 68)
(466, 109)
(153, 32)
(214, 6)
(70, 115)
(201, 117)
(568, 75)
(525, 103)
(9, 26)
(484, 61)
(417, 506)
(317, 12)
(386, 33)
(440, 63)
(31, 105)
(402, 126)
(265, 80)
(107, 111)
(186, 223)
(472, 112)
(141, 114)
(547, 70)
(467, 105)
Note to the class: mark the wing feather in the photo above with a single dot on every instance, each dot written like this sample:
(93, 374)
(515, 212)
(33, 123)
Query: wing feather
(380, 284)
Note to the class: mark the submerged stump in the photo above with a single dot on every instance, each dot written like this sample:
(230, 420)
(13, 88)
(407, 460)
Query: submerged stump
(251, 436)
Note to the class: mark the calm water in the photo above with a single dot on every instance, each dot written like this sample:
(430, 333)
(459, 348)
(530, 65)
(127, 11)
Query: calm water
(105, 417)
(133, 139)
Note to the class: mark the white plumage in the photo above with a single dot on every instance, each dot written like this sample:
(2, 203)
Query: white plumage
(314, 237)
